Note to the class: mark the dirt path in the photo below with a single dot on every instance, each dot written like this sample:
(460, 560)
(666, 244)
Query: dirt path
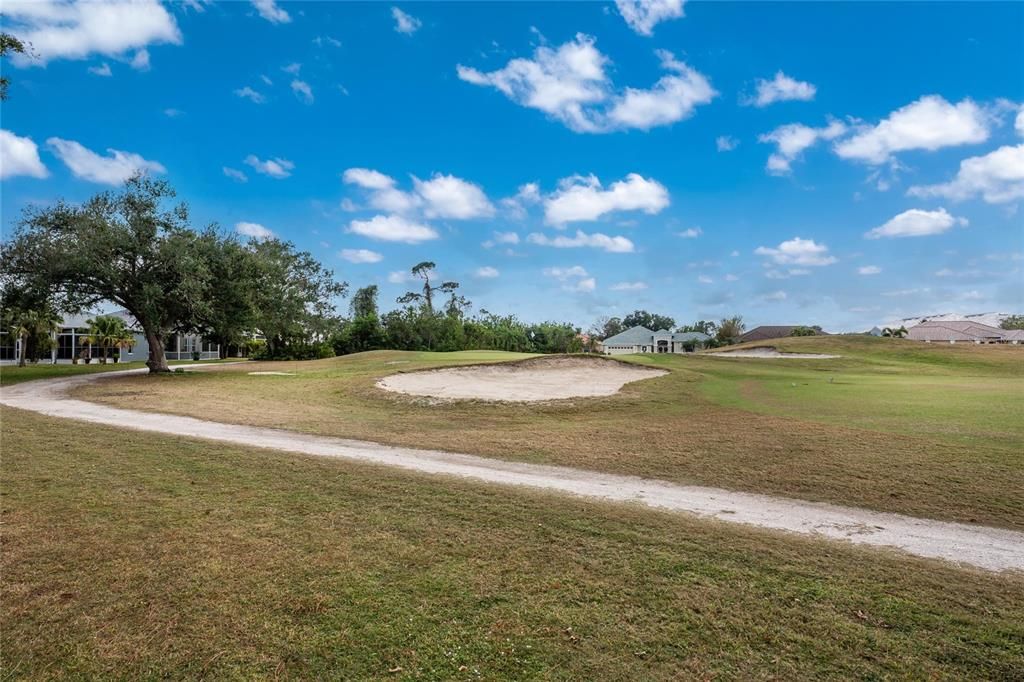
(988, 548)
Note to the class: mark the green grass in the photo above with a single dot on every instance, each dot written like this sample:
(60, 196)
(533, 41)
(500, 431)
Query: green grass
(12, 374)
(932, 431)
(128, 555)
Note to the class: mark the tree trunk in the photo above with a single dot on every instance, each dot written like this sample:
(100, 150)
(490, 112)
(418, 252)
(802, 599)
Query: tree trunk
(24, 350)
(157, 361)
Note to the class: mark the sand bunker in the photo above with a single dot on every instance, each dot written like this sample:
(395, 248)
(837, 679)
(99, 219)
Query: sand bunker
(529, 381)
(770, 353)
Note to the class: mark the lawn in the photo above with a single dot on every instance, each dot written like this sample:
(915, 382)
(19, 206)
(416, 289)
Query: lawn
(128, 555)
(12, 374)
(933, 431)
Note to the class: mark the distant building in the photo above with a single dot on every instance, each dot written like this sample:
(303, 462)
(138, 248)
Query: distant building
(874, 331)
(962, 332)
(767, 332)
(643, 340)
(73, 335)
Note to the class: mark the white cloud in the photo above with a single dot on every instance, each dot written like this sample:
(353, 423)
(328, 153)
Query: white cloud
(929, 123)
(569, 83)
(792, 139)
(398, 277)
(173, 113)
(361, 256)
(112, 169)
(253, 230)
(292, 68)
(916, 223)
(101, 70)
(405, 23)
(997, 177)
(527, 195)
(781, 88)
(266, 79)
(869, 270)
(583, 286)
(582, 239)
(348, 205)
(628, 286)
(303, 91)
(140, 62)
(19, 156)
(643, 15)
(1018, 123)
(443, 196)
(487, 272)
(64, 30)
(726, 143)
(691, 233)
(275, 168)
(704, 279)
(583, 198)
(673, 98)
(393, 228)
(235, 174)
(797, 251)
(251, 95)
(269, 10)
(506, 238)
(367, 178)
(731, 278)
(775, 296)
(574, 278)
(447, 196)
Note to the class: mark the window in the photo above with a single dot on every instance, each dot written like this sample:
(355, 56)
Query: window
(6, 346)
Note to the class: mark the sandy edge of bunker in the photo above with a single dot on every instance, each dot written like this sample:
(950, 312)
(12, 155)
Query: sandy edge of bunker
(531, 380)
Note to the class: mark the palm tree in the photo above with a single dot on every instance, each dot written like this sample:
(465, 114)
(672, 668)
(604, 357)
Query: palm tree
(894, 332)
(107, 332)
(423, 270)
(24, 324)
(123, 339)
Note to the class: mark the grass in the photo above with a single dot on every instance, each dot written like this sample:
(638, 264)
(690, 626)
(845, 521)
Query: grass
(932, 431)
(128, 555)
(12, 374)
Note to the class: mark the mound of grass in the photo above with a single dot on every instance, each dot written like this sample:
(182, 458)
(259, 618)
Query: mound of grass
(128, 555)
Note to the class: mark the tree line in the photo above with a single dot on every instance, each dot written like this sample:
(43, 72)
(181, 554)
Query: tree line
(136, 249)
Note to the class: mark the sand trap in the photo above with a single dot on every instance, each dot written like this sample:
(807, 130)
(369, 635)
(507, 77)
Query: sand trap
(272, 374)
(771, 353)
(529, 381)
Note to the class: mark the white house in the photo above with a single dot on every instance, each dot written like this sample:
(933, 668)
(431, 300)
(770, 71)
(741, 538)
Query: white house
(643, 340)
(74, 330)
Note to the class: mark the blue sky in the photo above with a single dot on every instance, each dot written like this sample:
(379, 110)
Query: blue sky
(833, 164)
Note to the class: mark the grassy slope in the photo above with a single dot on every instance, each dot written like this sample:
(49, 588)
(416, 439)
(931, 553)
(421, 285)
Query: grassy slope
(127, 555)
(888, 433)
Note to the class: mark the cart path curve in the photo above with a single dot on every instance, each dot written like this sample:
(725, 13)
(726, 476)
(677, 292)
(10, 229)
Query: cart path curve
(993, 549)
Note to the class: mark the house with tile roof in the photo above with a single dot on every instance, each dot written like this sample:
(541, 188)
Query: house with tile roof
(962, 331)
(643, 340)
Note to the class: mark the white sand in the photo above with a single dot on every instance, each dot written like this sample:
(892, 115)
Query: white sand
(994, 549)
(770, 353)
(528, 381)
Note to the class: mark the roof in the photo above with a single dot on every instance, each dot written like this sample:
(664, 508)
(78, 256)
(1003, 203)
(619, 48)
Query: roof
(1014, 334)
(81, 320)
(639, 336)
(630, 337)
(958, 330)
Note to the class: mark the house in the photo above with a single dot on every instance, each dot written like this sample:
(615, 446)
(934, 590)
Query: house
(643, 340)
(766, 332)
(961, 331)
(72, 336)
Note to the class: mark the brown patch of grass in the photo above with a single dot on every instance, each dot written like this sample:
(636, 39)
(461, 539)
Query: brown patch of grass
(683, 427)
(131, 555)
